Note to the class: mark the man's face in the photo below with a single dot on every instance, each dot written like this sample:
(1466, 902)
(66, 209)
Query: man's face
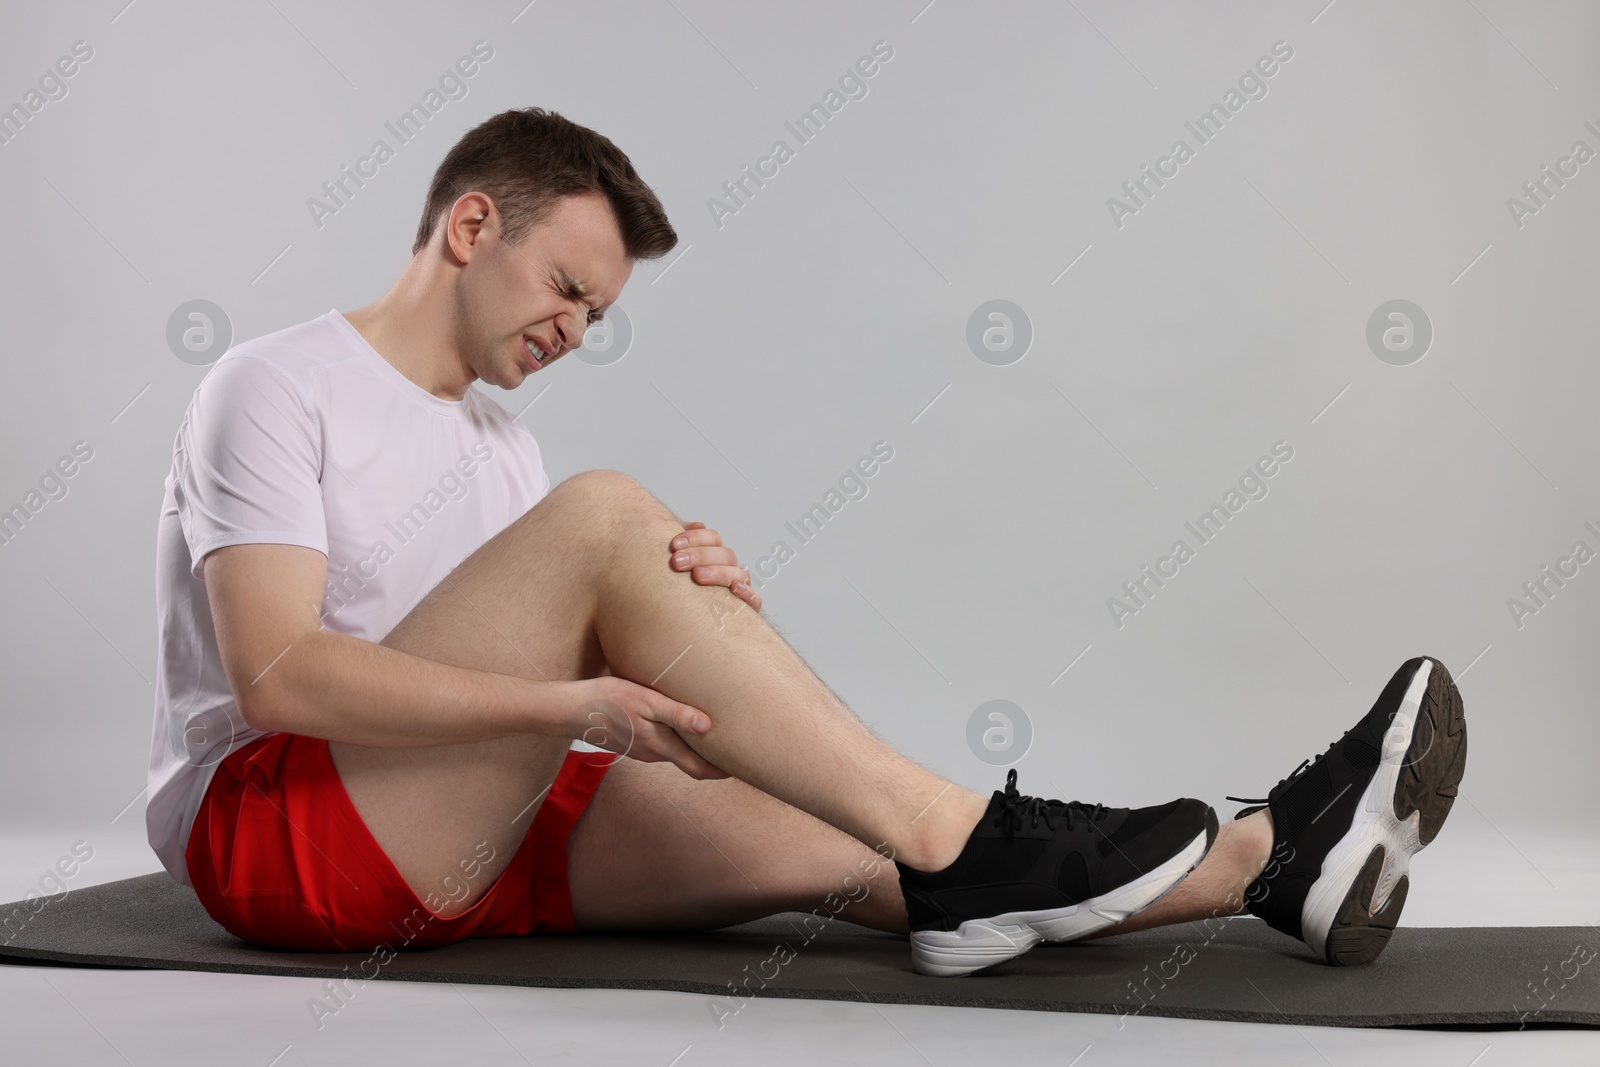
(526, 305)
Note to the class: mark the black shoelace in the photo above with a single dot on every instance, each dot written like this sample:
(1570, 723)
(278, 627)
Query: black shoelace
(1015, 808)
(1282, 785)
(1305, 765)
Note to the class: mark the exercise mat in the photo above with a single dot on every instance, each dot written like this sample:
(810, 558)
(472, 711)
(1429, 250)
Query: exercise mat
(1235, 969)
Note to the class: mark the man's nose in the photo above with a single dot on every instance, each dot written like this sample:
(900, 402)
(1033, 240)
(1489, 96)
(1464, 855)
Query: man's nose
(568, 335)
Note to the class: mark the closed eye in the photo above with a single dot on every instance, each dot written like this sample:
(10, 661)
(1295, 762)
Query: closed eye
(594, 314)
(576, 291)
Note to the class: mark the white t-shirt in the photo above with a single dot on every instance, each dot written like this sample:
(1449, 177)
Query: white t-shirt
(308, 436)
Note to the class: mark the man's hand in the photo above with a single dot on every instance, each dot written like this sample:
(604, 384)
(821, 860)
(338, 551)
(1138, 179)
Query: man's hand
(637, 722)
(712, 562)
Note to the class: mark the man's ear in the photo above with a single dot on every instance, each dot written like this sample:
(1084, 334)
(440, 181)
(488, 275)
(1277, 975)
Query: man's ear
(471, 217)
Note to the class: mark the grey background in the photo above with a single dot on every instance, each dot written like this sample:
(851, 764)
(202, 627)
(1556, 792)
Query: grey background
(831, 312)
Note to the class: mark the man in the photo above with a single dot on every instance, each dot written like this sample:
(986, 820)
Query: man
(382, 629)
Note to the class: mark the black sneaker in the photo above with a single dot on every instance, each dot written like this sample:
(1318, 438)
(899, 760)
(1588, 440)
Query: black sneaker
(1048, 870)
(1346, 824)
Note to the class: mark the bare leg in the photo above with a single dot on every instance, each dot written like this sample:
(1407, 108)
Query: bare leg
(725, 853)
(1217, 886)
(658, 849)
(776, 725)
(581, 582)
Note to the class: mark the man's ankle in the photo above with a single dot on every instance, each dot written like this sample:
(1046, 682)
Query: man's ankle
(1259, 835)
(942, 832)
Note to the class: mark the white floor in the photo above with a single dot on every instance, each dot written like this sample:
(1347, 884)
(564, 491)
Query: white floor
(1475, 874)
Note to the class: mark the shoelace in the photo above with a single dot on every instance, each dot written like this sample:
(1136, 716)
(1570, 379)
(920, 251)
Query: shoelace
(1282, 784)
(1015, 808)
(1305, 765)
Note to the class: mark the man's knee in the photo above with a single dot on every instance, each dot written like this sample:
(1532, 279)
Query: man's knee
(601, 482)
(606, 496)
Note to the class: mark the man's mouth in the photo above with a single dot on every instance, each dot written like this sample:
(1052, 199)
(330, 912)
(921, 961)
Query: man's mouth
(536, 350)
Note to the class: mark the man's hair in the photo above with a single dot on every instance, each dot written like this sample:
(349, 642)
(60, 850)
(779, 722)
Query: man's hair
(526, 160)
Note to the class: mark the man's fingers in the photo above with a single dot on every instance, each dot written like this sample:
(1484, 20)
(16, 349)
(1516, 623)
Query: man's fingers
(717, 555)
(746, 592)
(696, 533)
(727, 576)
(680, 717)
(693, 764)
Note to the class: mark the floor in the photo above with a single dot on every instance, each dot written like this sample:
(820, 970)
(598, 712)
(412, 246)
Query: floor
(1477, 874)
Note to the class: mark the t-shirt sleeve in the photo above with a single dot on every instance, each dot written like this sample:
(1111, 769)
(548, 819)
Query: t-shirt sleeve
(249, 462)
(530, 448)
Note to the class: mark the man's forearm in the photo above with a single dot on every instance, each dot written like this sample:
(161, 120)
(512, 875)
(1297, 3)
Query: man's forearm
(343, 688)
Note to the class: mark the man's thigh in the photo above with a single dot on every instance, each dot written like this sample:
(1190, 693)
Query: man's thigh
(524, 604)
(658, 849)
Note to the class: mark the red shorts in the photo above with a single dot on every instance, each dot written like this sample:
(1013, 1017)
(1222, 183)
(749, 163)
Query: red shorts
(281, 858)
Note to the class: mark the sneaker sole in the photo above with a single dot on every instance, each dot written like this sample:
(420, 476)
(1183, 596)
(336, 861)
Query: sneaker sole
(980, 943)
(1351, 910)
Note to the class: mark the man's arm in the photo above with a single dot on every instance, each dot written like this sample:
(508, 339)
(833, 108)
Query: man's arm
(289, 674)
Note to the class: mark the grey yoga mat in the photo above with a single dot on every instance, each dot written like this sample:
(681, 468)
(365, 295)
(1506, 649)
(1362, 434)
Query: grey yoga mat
(1236, 969)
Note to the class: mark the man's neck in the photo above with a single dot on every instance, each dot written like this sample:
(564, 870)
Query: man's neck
(410, 329)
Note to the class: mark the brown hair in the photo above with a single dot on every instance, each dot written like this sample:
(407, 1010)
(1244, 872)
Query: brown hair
(526, 160)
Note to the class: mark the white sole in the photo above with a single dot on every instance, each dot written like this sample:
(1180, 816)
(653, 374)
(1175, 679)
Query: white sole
(979, 943)
(1374, 825)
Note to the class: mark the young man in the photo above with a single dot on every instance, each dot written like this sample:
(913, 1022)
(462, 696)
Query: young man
(382, 629)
